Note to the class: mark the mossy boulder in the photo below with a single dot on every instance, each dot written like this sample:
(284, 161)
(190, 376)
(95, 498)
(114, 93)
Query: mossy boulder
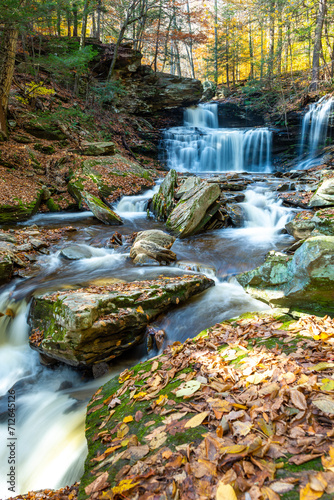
(324, 195)
(304, 281)
(97, 148)
(163, 201)
(44, 130)
(96, 324)
(101, 211)
(308, 223)
(194, 210)
(20, 209)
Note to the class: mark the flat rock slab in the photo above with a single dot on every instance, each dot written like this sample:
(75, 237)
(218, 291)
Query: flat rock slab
(96, 324)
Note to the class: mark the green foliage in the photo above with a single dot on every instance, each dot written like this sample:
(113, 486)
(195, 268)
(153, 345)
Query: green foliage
(68, 61)
(106, 92)
(72, 117)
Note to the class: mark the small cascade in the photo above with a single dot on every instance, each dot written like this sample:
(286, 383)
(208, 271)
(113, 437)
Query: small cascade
(136, 205)
(314, 130)
(201, 146)
(262, 210)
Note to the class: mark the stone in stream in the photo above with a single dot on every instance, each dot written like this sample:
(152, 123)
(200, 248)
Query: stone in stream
(324, 195)
(194, 210)
(152, 244)
(6, 266)
(236, 214)
(305, 280)
(187, 185)
(101, 211)
(76, 252)
(307, 223)
(96, 324)
(163, 201)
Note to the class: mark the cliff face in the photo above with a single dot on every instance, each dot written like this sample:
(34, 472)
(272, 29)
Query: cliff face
(147, 92)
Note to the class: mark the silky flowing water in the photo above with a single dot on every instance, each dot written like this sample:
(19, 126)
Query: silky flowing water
(51, 402)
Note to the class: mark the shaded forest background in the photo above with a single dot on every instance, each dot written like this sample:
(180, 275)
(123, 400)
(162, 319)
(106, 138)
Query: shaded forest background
(249, 42)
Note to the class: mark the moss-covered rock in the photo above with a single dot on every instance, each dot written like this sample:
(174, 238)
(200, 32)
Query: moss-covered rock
(101, 211)
(20, 209)
(97, 148)
(304, 281)
(194, 210)
(6, 267)
(163, 201)
(98, 323)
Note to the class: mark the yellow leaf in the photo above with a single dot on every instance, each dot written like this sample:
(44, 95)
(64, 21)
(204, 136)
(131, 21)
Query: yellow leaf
(123, 486)
(124, 376)
(122, 431)
(322, 366)
(318, 482)
(162, 400)
(196, 420)
(307, 493)
(327, 384)
(269, 494)
(140, 309)
(328, 463)
(236, 448)
(225, 492)
(127, 419)
(139, 395)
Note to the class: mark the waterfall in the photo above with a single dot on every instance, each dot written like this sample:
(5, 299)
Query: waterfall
(314, 129)
(130, 206)
(201, 146)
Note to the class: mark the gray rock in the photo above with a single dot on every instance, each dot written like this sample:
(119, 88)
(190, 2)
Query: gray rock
(236, 214)
(305, 280)
(76, 252)
(324, 195)
(193, 210)
(25, 247)
(37, 243)
(187, 185)
(97, 148)
(94, 326)
(152, 244)
(101, 211)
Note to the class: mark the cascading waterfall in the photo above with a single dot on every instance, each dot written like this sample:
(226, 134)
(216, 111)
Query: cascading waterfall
(201, 146)
(136, 205)
(314, 130)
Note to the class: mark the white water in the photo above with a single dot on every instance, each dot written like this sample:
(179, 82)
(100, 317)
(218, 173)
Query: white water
(314, 130)
(135, 206)
(201, 146)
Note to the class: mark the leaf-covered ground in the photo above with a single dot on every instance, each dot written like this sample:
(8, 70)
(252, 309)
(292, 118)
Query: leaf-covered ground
(243, 411)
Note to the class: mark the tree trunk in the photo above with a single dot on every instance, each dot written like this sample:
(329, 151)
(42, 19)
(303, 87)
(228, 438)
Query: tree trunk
(84, 24)
(157, 39)
(191, 59)
(317, 44)
(114, 58)
(75, 18)
(270, 66)
(58, 18)
(98, 22)
(10, 36)
(251, 53)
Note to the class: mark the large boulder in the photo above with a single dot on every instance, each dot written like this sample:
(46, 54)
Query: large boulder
(101, 211)
(324, 195)
(304, 281)
(23, 198)
(194, 210)
(187, 185)
(306, 224)
(163, 201)
(152, 244)
(98, 323)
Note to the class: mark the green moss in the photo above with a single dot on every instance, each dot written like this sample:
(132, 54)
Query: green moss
(52, 205)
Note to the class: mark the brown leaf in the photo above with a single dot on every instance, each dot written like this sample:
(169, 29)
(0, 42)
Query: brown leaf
(100, 483)
(302, 459)
(298, 399)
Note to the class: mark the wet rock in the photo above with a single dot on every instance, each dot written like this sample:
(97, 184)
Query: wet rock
(306, 224)
(324, 195)
(38, 244)
(193, 211)
(96, 324)
(163, 201)
(6, 267)
(305, 280)
(286, 186)
(7, 238)
(115, 240)
(25, 247)
(236, 214)
(76, 252)
(101, 211)
(186, 186)
(97, 148)
(152, 244)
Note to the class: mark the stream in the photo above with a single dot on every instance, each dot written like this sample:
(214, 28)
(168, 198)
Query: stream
(51, 402)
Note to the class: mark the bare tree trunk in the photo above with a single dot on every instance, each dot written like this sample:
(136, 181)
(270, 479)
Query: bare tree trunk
(93, 24)
(317, 44)
(58, 18)
(216, 45)
(227, 58)
(191, 58)
(75, 18)
(270, 67)
(262, 55)
(10, 36)
(251, 52)
(98, 23)
(114, 58)
(84, 24)
(157, 39)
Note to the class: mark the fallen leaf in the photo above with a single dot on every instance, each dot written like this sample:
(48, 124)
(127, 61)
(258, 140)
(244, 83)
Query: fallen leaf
(325, 404)
(188, 388)
(298, 399)
(307, 493)
(98, 484)
(128, 419)
(281, 487)
(225, 492)
(125, 485)
(318, 482)
(241, 428)
(196, 420)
